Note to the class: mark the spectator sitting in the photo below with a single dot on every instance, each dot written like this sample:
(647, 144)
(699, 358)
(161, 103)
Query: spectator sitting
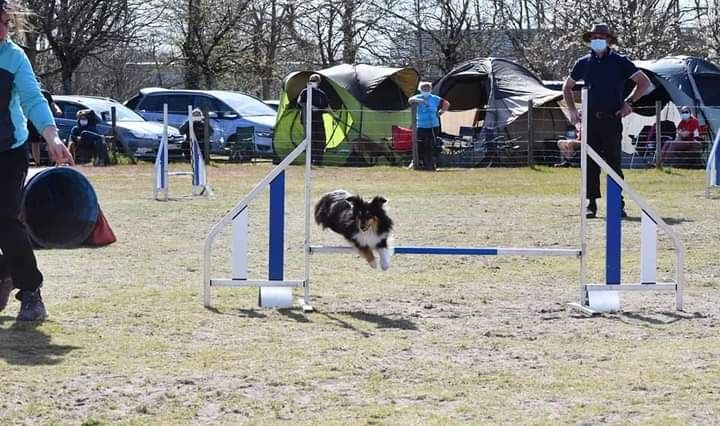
(86, 141)
(688, 139)
(568, 146)
(198, 123)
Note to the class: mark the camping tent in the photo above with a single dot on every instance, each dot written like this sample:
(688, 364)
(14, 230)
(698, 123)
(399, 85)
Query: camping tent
(684, 80)
(366, 101)
(494, 93)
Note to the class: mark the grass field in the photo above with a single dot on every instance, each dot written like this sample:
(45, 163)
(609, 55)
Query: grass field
(434, 340)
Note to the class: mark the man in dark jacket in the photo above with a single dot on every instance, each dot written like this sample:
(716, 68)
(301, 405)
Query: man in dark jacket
(320, 104)
(604, 72)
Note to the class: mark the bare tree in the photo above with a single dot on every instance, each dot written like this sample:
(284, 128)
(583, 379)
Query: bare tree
(546, 34)
(75, 30)
(206, 36)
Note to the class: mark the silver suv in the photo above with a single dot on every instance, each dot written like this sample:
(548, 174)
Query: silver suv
(235, 118)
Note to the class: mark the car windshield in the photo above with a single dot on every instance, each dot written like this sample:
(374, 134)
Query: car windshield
(102, 108)
(245, 105)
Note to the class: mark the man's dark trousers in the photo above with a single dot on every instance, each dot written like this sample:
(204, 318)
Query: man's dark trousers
(14, 239)
(605, 137)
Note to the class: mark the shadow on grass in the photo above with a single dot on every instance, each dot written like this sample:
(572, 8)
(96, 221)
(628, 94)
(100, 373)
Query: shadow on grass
(24, 344)
(379, 320)
(659, 318)
(243, 313)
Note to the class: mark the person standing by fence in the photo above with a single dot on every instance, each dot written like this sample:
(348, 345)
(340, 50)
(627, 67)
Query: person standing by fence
(604, 73)
(429, 108)
(20, 96)
(320, 104)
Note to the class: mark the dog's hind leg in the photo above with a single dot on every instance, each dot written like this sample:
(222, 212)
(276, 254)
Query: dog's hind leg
(369, 256)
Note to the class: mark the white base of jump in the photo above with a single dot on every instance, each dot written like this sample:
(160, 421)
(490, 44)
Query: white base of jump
(594, 291)
(268, 295)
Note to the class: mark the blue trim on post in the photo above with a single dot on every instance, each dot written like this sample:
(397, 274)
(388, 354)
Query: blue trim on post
(472, 251)
(614, 232)
(276, 262)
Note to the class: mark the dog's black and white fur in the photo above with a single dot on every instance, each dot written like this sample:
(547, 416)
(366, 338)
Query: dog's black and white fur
(365, 224)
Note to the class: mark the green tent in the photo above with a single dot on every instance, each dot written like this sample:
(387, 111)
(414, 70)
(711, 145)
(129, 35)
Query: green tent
(366, 101)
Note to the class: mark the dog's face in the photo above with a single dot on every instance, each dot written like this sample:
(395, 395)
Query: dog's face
(367, 216)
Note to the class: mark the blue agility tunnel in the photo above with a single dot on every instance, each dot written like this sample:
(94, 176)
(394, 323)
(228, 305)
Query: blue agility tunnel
(60, 208)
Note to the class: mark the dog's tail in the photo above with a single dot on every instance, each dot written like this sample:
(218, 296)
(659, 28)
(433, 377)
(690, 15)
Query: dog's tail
(323, 208)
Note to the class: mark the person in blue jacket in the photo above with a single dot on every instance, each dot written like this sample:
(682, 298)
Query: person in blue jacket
(20, 96)
(429, 108)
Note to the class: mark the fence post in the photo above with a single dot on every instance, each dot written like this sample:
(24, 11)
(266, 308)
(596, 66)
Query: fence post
(413, 123)
(658, 135)
(531, 133)
(206, 136)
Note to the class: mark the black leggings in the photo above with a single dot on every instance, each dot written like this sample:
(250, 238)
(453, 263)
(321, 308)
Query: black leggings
(426, 146)
(18, 258)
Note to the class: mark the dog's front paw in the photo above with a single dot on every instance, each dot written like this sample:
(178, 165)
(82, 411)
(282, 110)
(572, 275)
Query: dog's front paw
(373, 263)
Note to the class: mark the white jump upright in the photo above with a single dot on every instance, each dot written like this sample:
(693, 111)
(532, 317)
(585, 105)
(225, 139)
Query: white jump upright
(605, 296)
(712, 169)
(161, 170)
(276, 280)
(275, 290)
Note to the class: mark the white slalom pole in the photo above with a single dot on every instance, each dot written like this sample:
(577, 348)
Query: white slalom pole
(160, 169)
(308, 187)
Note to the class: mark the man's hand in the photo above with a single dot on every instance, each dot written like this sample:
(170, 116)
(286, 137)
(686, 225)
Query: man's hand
(59, 154)
(625, 110)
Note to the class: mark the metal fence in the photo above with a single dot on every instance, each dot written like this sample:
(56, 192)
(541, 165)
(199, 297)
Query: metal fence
(363, 138)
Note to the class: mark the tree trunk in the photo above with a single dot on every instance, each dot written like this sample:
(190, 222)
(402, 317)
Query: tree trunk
(190, 47)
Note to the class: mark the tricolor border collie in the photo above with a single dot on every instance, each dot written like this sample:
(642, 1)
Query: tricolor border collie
(364, 224)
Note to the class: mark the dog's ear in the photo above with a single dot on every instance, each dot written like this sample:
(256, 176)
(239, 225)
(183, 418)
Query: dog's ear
(378, 201)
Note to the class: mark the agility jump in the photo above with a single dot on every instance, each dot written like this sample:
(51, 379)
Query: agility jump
(276, 291)
(161, 172)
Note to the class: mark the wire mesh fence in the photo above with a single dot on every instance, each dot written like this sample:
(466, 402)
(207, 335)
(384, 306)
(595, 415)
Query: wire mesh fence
(540, 136)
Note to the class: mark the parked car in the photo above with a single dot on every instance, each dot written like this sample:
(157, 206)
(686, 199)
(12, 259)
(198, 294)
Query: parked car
(236, 118)
(135, 136)
(272, 103)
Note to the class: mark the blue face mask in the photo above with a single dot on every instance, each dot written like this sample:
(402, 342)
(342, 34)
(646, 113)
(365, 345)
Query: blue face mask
(571, 135)
(685, 115)
(598, 45)
(425, 93)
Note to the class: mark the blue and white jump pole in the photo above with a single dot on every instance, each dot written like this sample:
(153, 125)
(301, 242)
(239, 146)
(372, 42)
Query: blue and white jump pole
(277, 282)
(712, 169)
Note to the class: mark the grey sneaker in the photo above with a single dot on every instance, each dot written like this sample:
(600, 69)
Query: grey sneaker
(31, 306)
(6, 287)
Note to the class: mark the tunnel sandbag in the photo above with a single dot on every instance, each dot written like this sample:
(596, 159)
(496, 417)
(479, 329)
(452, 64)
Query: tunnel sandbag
(60, 208)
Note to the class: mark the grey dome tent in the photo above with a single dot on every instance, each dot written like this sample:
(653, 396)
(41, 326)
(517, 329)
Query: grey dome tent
(499, 92)
(684, 80)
